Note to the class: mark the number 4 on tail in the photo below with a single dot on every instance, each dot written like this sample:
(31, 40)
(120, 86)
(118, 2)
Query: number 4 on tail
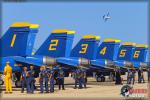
(103, 51)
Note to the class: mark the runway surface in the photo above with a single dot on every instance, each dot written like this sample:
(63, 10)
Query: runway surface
(100, 90)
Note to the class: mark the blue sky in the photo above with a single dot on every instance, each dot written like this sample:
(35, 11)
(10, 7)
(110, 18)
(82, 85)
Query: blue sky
(129, 21)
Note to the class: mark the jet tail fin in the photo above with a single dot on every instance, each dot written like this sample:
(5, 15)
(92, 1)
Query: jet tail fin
(58, 44)
(108, 49)
(19, 39)
(126, 51)
(140, 53)
(86, 47)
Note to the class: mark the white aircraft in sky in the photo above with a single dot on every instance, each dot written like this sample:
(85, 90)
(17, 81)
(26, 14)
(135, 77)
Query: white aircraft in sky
(106, 17)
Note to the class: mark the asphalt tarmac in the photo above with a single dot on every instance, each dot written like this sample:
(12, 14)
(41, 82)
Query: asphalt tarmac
(94, 90)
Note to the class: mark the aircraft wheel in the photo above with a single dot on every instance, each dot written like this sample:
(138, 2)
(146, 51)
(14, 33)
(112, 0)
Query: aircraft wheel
(1, 82)
(18, 84)
(98, 79)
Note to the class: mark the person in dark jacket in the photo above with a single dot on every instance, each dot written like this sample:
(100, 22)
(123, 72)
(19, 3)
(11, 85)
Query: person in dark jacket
(148, 74)
(139, 75)
(61, 79)
(41, 79)
(23, 79)
(142, 77)
(118, 76)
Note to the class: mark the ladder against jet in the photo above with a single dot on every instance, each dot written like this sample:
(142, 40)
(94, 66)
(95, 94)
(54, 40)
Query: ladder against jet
(89, 54)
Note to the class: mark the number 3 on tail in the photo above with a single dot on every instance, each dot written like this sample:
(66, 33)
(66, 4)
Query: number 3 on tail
(53, 44)
(84, 48)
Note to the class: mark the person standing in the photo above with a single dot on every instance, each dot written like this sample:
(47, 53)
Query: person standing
(28, 82)
(51, 79)
(41, 78)
(119, 72)
(128, 76)
(46, 78)
(8, 77)
(118, 77)
(23, 79)
(31, 79)
(80, 78)
(111, 76)
(133, 76)
(84, 78)
(142, 76)
(76, 77)
(148, 74)
(61, 79)
(139, 75)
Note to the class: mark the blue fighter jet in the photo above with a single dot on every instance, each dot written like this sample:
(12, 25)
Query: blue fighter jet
(17, 42)
(124, 57)
(131, 55)
(89, 55)
(128, 55)
(139, 57)
(84, 51)
(58, 44)
(17, 46)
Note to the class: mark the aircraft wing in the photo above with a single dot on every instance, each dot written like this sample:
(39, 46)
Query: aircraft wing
(119, 63)
(72, 61)
(26, 61)
(101, 62)
(140, 64)
(75, 62)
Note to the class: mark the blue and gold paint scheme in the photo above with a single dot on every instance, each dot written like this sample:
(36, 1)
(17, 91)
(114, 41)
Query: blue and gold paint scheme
(106, 53)
(58, 44)
(17, 42)
(84, 51)
(124, 57)
(86, 47)
(139, 57)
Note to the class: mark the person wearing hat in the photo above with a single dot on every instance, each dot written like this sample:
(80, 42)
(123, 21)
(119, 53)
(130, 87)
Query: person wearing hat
(61, 78)
(41, 78)
(76, 75)
(8, 77)
(142, 76)
(51, 77)
(133, 75)
(80, 77)
(118, 76)
(23, 79)
(46, 78)
(139, 75)
(30, 80)
(148, 74)
(84, 78)
(129, 76)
